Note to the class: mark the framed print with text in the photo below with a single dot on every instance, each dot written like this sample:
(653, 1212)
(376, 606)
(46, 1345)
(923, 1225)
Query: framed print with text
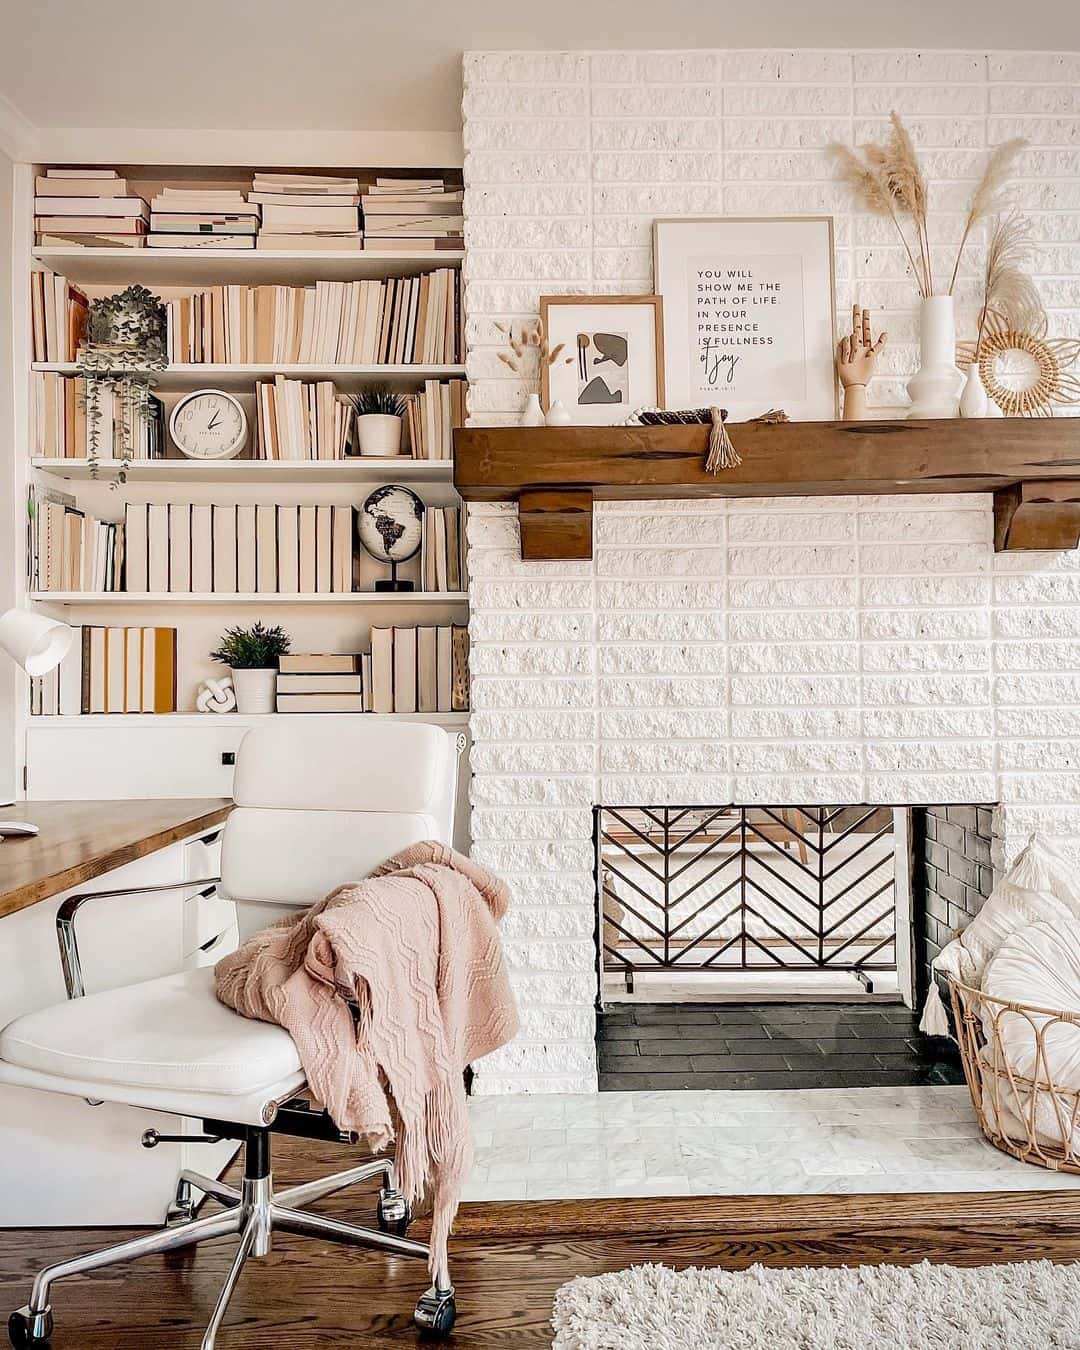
(749, 314)
(612, 357)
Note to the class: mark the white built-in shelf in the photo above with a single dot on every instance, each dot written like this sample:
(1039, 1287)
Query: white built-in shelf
(207, 267)
(208, 375)
(105, 720)
(249, 598)
(355, 469)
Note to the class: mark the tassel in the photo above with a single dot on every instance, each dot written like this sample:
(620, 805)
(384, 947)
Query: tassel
(934, 1020)
(722, 454)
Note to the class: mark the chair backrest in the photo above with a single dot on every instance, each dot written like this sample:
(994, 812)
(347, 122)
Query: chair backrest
(319, 803)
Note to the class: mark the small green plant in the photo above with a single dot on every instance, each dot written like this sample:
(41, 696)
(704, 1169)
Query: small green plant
(380, 402)
(255, 648)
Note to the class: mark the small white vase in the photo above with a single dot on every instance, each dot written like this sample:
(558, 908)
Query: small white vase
(532, 415)
(974, 401)
(557, 416)
(935, 387)
(379, 434)
(256, 690)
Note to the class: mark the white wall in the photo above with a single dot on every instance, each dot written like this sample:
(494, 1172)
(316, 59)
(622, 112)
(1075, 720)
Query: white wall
(800, 651)
(8, 547)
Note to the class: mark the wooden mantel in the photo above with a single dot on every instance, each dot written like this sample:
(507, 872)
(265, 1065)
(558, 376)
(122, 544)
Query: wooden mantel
(1032, 466)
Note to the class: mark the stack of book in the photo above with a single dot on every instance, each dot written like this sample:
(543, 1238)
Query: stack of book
(195, 547)
(302, 420)
(124, 429)
(322, 682)
(58, 312)
(89, 207)
(71, 550)
(111, 670)
(306, 210)
(202, 218)
(402, 320)
(442, 549)
(433, 416)
(413, 213)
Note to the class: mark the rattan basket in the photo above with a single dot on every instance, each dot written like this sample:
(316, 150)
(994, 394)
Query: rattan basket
(1031, 1117)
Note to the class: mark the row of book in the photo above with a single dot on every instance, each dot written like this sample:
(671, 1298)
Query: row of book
(94, 207)
(302, 420)
(58, 313)
(408, 670)
(70, 549)
(111, 670)
(126, 427)
(399, 320)
(433, 416)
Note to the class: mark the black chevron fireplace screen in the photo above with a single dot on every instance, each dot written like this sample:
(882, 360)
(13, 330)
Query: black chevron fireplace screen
(687, 890)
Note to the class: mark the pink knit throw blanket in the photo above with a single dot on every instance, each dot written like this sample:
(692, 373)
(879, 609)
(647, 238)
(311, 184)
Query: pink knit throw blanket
(390, 987)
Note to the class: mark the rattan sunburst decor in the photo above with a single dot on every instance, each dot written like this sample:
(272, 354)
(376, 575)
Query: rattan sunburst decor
(1025, 374)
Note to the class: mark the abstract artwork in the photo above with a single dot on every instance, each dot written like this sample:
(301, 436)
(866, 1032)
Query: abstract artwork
(603, 369)
(615, 349)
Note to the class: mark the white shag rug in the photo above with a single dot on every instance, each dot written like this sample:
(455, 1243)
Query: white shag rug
(1033, 1305)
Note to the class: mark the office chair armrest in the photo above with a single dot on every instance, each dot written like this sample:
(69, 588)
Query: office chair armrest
(65, 925)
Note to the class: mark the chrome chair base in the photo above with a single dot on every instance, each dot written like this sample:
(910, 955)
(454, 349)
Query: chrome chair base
(254, 1212)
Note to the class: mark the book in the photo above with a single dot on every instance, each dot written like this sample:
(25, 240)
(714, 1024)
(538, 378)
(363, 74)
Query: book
(83, 183)
(275, 240)
(427, 690)
(202, 548)
(288, 549)
(162, 222)
(246, 550)
(307, 183)
(320, 684)
(91, 239)
(382, 670)
(180, 546)
(305, 198)
(222, 241)
(223, 523)
(405, 670)
(89, 225)
(164, 670)
(93, 207)
(307, 549)
(444, 669)
(320, 663)
(320, 703)
(460, 652)
(158, 547)
(342, 548)
(315, 219)
(266, 568)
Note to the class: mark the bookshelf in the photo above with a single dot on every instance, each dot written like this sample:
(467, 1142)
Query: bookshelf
(315, 622)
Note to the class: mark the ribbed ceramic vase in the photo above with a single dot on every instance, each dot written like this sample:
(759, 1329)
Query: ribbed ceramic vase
(935, 387)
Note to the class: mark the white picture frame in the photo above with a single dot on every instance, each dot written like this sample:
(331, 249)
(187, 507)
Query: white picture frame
(749, 314)
(612, 357)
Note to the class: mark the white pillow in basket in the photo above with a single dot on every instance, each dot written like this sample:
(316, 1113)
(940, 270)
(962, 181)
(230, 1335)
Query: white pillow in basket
(1039, 887)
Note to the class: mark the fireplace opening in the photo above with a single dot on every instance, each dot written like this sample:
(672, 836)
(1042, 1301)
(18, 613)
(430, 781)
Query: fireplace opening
(772, 946)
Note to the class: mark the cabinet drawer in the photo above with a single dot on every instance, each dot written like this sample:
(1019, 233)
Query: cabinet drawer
(206, 917)
(149, 759)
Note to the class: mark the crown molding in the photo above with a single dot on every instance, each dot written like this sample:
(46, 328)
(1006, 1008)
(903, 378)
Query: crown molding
(17, 134)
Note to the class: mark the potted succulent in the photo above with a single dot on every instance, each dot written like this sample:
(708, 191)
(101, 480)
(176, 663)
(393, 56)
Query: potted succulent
(379, 416)
(252, 656)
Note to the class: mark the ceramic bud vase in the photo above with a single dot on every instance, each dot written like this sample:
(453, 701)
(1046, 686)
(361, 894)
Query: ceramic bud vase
(974, 401)
(557, 416)
(532, 415)
(255, 690)
(935, 387)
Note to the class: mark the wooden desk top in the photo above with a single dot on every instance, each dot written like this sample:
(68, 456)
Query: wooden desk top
(81, 840)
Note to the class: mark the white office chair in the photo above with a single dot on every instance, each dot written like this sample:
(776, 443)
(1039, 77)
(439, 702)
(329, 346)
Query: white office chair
(316, 805)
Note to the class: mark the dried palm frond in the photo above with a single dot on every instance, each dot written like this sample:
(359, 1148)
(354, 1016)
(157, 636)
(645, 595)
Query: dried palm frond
(907, 185)
(1009, 293)
(990, 194)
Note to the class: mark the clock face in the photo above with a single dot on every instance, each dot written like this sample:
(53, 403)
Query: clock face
(209, 424)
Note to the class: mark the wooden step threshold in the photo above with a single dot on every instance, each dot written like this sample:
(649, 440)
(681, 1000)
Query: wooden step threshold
(554, 474)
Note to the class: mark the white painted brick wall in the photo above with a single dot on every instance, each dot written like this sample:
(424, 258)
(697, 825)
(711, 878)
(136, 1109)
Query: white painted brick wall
(825, 650)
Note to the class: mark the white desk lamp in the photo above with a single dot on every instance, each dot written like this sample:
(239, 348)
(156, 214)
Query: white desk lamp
(38, 645)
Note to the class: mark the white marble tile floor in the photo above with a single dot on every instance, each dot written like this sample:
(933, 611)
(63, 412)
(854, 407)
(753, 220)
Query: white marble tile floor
(807, 1141)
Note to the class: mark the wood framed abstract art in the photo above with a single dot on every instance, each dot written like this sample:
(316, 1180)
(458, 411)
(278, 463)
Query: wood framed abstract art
(611, 359)
(749, 314)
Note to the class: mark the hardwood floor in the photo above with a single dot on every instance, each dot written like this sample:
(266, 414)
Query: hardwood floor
(507, 1262)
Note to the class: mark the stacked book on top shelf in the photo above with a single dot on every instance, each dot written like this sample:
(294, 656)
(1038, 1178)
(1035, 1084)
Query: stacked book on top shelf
(90, 207)
(124, 428)
(407, 670)
(402, 320)
(71, 550)
(413, 213)
(111, 670)
(306, 211)
(219, 218)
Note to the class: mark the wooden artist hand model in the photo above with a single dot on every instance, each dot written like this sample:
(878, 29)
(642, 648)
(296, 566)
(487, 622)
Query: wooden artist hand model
(856, 356)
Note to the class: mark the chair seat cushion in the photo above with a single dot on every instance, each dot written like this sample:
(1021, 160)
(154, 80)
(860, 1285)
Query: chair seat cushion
(166, 1033)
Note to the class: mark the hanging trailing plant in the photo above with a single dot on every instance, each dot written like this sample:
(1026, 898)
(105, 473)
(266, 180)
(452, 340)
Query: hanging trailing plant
(125, 345)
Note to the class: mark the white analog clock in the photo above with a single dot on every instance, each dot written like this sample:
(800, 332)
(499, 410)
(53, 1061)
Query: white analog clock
(209, 424)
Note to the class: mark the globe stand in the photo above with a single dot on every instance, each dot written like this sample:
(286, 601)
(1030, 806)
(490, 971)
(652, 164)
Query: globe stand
(391, 583)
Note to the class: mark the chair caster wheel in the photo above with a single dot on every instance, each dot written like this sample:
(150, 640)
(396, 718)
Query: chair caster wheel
(179, 1213)
(392, 1213)
(30, 1330)
(436, 1312)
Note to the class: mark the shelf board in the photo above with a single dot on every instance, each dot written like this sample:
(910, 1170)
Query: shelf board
(240, 377)
(248, 598)
(107, 720)
(187, 266)
(356, 469)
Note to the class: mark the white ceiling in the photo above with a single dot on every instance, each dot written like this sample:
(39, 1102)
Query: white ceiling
(396, 64)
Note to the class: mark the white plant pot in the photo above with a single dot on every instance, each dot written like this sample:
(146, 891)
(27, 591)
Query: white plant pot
(379, 433)
(532, 415)
(255, 690)
(974, 401)
(935, 387)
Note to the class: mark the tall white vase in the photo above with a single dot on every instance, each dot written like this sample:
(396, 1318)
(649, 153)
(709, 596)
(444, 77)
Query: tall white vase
(935, 387)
